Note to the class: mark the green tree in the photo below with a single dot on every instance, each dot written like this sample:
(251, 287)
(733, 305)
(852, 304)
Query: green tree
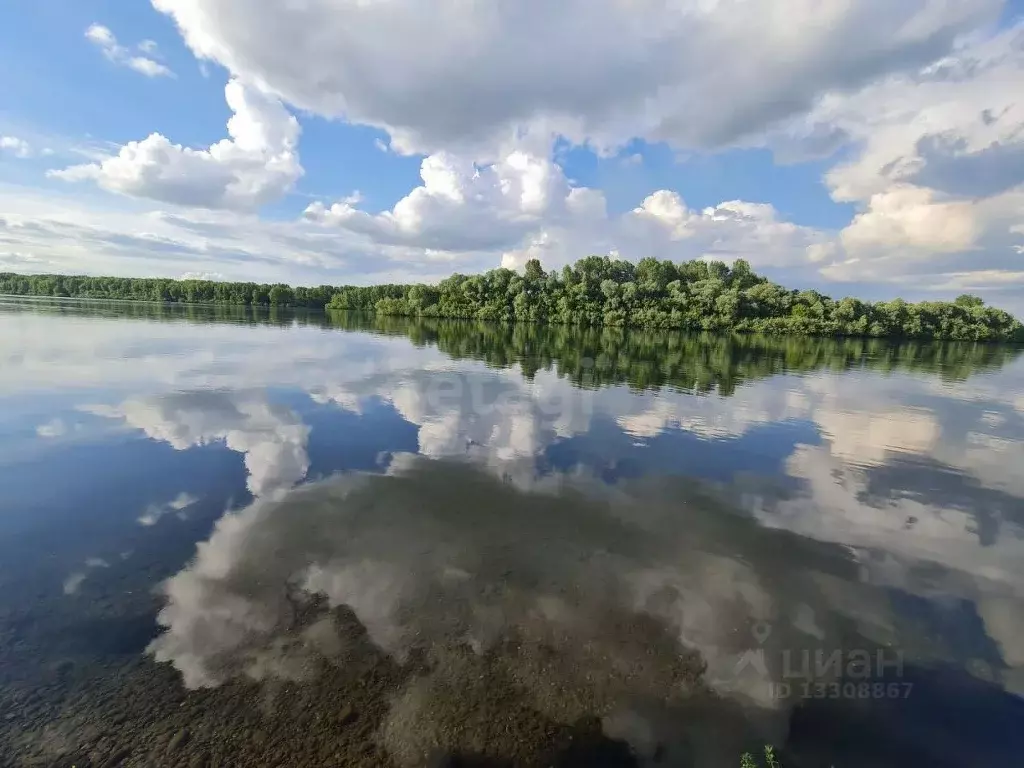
(969, 301)
(534, 272)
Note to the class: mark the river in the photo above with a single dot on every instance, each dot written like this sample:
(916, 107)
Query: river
(232, 538)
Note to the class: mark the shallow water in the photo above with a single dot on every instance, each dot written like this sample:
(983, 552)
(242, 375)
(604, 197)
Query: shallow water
(230, 538)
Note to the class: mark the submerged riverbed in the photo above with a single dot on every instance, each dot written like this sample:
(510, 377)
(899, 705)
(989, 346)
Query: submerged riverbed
(233, 539)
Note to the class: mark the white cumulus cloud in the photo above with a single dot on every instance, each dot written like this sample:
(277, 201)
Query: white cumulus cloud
(438, 74)
(523, 207)
(937, 167)
(462, 206)
(257, 164)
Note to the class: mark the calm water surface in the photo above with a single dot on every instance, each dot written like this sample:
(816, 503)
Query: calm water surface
(244, 540)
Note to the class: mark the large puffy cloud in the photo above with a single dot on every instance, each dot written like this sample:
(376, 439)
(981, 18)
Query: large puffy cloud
(464, 218)
(935, 170)
(958, 110)
(463, 207)
(524, 207)
(696, 73)
(257, 164)
(910, 217)
(665, 226)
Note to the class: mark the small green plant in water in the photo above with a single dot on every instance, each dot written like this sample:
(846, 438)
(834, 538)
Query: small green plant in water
(747, 760)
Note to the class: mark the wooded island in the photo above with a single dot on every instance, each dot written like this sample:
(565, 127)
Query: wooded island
(595, 291)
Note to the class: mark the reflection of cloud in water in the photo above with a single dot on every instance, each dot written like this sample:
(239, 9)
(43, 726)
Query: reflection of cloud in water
(132, 356)
(710, 416)
(74, 581)
(272, 438)
(903, 429)
(870, 438)
(498, 419)
(1004, 620)
(495, 418)
(439, 557)
(919, 539)
(53, 428)
(588, 597)
(501, 420)
(177, 505)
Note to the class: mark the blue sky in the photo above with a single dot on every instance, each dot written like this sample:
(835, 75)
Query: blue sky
(411, 139)
(84, 94)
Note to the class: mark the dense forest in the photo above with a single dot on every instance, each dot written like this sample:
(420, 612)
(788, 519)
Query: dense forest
(595, 291)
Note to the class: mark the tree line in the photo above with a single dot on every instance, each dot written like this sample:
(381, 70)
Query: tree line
(166, 290)
(595, 291)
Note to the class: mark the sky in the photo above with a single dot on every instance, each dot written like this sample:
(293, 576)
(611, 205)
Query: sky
(870, 148)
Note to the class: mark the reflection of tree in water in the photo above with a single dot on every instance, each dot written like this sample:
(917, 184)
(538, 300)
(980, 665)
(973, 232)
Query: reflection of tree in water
(600, 356)
(690, 362)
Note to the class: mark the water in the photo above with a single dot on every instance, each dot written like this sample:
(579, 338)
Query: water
(236, 539)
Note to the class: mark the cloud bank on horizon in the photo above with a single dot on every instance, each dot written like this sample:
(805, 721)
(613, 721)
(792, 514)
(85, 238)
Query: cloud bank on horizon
(869, 147)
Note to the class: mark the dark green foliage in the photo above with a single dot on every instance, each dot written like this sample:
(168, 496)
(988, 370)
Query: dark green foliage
(695, 296)
(595, 291)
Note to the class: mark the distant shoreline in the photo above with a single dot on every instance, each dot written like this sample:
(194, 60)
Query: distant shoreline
(155, 302)
(691, 296)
